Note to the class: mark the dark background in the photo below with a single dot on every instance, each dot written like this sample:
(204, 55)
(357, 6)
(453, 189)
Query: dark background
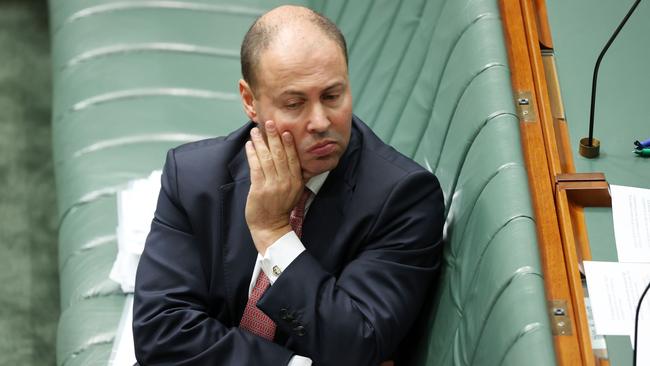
(29, 292)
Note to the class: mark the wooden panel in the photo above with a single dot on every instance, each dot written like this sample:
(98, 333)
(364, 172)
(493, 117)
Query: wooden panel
(564, 243)
(541, 181)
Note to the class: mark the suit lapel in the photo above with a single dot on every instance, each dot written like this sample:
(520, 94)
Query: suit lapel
(325, 218)
(327, 214)
(239, 252)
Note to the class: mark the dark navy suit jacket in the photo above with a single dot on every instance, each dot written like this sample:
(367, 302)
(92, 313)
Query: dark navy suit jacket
(372, 237)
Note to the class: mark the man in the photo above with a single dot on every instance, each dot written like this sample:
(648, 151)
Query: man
(235, 273)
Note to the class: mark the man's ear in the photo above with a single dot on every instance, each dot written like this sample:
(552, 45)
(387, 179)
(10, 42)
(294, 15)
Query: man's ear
(248, 100)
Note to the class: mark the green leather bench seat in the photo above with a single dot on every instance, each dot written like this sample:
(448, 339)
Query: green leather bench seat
(133, 79)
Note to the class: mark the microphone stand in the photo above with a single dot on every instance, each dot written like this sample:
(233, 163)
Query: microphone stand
(636, 324)
(589, 146)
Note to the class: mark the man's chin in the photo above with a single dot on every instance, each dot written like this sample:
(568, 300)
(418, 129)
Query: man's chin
(319, 166)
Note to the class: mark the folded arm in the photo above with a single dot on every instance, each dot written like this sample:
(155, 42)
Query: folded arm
(171, 321)
(361, 316)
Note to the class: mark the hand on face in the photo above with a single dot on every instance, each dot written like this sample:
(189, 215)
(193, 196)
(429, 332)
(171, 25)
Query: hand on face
(276, 185)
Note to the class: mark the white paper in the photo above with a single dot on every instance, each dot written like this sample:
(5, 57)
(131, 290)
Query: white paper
(631, 213)
(136, 205)
(123, 353)
(614, 289)
(597, 340)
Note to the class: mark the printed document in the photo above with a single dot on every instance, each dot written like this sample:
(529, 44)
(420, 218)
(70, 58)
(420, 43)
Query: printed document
(614, 290)
(631, 213)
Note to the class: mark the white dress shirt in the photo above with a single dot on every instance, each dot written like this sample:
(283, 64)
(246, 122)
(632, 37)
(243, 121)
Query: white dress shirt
(282, 252)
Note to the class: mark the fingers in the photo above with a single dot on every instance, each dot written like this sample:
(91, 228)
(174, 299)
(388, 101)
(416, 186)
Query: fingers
(292, 156)
(276, 158)
(277, 151)
(257, 175)
(263, 154)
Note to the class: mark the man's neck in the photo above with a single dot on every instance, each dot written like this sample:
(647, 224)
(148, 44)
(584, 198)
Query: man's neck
(316, 182)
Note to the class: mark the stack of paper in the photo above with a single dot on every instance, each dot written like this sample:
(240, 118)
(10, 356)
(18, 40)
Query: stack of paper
(123, 353)
(616, 287)
(136, 205)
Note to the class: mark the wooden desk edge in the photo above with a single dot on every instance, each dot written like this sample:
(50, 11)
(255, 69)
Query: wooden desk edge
(525, 62)
(559, 195)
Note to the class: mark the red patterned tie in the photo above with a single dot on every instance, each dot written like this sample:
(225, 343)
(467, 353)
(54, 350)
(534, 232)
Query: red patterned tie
(254, 320)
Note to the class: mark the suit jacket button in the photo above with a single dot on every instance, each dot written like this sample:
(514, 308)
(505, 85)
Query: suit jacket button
(284, 314)
(300, 330)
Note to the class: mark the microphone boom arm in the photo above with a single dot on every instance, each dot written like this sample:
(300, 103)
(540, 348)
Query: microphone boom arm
(600, 58)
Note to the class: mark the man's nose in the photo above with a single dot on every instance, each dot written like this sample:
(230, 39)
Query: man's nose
(318, 121)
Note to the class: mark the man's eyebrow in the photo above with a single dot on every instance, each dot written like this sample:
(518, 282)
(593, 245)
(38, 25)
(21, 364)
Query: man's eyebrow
(338, 84)
(292, 92)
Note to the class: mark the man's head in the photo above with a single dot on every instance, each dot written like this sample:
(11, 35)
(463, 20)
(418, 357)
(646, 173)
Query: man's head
(294, 64)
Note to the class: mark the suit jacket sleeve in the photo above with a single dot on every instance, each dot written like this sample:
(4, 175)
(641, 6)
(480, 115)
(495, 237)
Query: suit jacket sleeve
(171, 324)
(360, 316)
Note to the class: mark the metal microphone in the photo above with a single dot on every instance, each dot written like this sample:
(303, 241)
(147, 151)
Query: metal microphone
(589, 146)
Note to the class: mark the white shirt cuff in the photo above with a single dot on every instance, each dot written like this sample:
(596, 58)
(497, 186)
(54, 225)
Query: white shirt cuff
(299, 361)
(280, 255)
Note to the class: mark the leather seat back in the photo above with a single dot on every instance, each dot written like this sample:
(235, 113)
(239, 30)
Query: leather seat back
(133, 79)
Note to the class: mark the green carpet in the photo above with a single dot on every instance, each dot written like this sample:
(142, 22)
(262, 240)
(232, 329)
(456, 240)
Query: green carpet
(29, 294)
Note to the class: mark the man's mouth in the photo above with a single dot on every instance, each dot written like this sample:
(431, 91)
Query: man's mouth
(322, 148)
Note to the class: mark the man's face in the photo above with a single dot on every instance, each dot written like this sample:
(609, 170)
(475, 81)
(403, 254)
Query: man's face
(305, 90)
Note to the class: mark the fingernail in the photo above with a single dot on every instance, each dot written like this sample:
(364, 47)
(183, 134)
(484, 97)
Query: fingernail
(270, 125)
(255, 132)
(286, 137)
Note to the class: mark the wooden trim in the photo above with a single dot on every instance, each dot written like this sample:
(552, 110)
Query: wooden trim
(542, 184)
(564, 144)
(574, 262)
(553, 85)
(543, 28)
(580, 232)
(582, 190)
(559, 207)
(557, 111)
(574, 192)
(541, 88)
(586, 189)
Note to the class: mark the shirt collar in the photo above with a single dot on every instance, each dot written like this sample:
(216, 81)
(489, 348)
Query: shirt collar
(316, 182)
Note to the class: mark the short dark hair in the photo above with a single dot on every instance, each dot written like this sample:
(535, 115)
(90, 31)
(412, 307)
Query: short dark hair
(260, 35)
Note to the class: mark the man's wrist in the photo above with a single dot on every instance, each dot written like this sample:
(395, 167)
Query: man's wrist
(264, 238)
(280, 255)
